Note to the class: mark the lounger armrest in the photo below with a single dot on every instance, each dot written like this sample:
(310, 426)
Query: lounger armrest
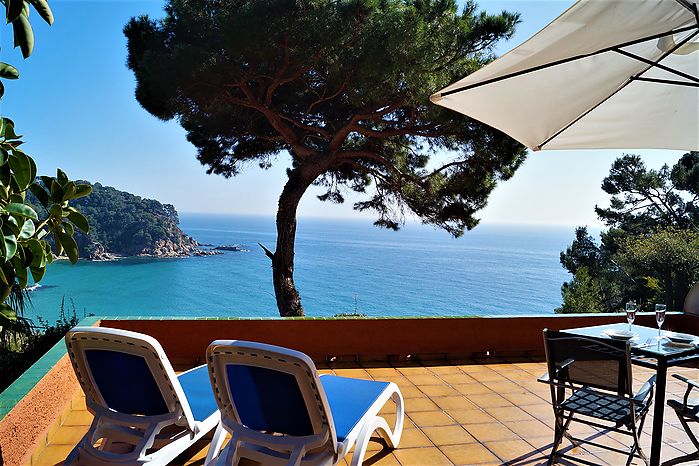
(684, 379)
(646, 391)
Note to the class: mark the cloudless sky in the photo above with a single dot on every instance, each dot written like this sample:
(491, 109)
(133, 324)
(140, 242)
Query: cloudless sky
(75, 104)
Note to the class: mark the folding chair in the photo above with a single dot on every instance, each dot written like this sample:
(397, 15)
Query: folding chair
(280, 412)
(687, 411)
(591, 383)
(144, 414)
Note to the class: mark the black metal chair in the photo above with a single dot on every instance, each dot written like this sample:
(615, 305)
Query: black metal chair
(591, 383)
(687, 411)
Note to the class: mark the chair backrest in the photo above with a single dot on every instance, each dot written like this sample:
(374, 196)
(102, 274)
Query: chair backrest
(270, 389)
(126, 372)
(593, 362)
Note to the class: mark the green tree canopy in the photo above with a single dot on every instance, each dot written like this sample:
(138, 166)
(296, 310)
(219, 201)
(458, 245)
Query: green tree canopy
(342, 87)
(650, 252)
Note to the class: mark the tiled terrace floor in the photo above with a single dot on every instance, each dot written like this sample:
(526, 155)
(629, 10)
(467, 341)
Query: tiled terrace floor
(458, 413)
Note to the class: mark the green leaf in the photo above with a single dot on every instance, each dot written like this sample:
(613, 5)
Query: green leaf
(3, 278)
(82, 190)
(42, 7)
(61, 177)
(13, 9)
(10, 246)
(56, 211)
(9, 131)
(40, 193)
(23, 34)
(47, 181)
(38, 252)
(69, 245)
(69, 229)
(7, 313)
(56, 191)
(20, 271)
(79, 220)
(28, 229)
(16, 198)
(69, 190)
(37, 273)
(23, 169)
(21, 209)
(8, 71)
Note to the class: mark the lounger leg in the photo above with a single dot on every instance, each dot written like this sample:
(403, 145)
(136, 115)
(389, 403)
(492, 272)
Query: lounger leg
(393, 437)
(379, 425)
(216, 443)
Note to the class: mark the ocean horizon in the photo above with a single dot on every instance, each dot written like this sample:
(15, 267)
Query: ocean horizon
(342, 266)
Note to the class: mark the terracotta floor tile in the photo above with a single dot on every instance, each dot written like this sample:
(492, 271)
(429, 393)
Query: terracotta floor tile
(428, 456)
(472, 453)
(420, 404)
(78, 418)
(425, 380)
(448, 435)
(451, 417)
(471, 416)
(68, 435)
(529, 429)
(431, 418)
(491, 400)
(457, 378)
(490, 432)
(515, 451)
(453, 402)
(437, 390)
(509, 413)
(475, 388)
(414, 438)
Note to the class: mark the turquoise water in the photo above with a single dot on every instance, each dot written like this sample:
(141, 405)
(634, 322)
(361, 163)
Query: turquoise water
(341, 266)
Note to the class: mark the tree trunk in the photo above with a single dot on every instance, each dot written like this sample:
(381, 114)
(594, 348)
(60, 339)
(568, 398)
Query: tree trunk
(288, 299)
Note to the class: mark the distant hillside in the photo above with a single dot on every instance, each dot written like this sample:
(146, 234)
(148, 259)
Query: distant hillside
(122, 224)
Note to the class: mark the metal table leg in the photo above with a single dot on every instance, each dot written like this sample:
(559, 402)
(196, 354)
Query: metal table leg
(658, 413)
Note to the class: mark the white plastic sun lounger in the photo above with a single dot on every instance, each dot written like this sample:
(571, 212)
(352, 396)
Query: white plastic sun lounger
(144, 413)
(280, 412)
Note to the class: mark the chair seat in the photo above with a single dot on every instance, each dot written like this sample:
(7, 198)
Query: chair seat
(197, 388)
(600, 405)
(690, 411)
(349, 400)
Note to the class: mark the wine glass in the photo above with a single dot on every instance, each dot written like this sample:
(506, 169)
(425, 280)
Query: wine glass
(660, 317)
(630, 313)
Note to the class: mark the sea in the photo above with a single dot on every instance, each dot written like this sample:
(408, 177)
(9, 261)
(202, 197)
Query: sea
(342, 266)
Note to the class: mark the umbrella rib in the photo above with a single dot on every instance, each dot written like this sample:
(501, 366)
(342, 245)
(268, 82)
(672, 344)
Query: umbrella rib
(660, 65)
(566, 60)
(665, 81)
(629, 81)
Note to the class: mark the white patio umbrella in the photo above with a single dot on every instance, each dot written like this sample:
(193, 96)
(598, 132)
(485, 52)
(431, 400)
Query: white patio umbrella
(616, 74)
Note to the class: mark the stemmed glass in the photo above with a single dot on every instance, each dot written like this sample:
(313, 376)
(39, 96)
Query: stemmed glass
(660, 317)
(630, 313)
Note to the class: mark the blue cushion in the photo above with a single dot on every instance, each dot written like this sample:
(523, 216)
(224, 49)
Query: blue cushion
(125, 382)
(268, 400)
(197, 390)
(349, 400)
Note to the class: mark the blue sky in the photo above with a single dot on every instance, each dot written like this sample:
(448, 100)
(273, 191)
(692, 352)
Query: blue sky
(75, 105)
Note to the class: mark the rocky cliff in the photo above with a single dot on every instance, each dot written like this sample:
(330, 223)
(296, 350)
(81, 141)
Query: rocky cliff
(123, 224)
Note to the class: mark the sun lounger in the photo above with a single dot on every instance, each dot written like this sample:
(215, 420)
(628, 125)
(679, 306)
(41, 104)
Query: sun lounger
(144, 414)
(280, 412)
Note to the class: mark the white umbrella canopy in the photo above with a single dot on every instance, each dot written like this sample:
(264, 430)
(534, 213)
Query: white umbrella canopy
(606, 74)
